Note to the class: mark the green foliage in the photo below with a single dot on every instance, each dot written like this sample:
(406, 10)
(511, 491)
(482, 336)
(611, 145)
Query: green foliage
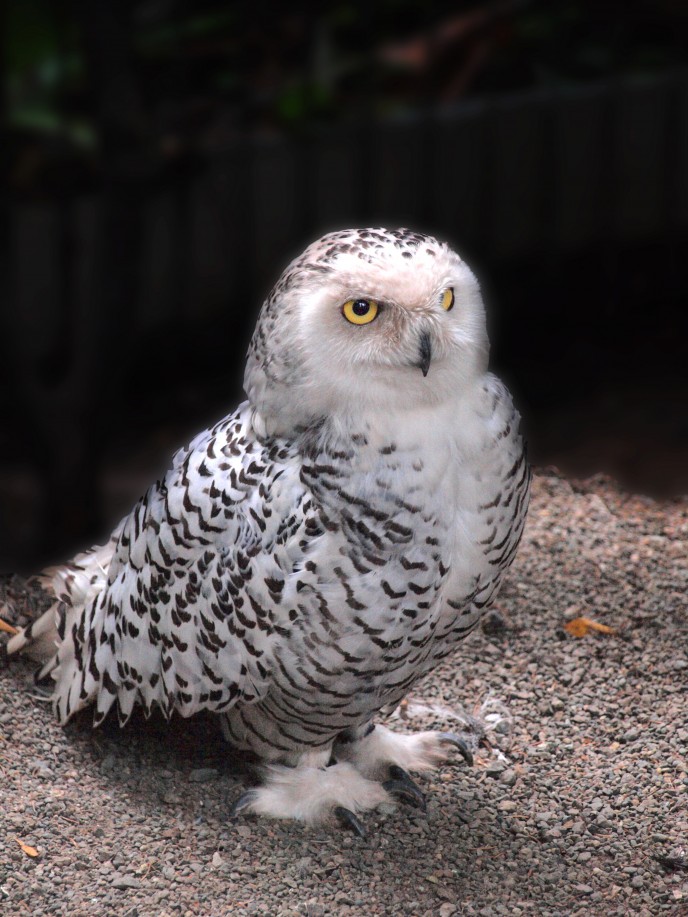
(44, 68)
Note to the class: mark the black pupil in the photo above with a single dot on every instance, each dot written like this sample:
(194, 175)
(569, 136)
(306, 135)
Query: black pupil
(361, 307)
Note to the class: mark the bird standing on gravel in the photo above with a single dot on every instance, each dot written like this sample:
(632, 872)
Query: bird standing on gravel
(311, 556)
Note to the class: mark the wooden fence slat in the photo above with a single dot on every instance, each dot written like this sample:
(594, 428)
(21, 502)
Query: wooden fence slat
(461, 179)
(277, 208)
(337, 157)
(517, 137)
(580, 128)
(678, 216)
(35, 268)
(641, 159)
(398, 190)
(158, 292)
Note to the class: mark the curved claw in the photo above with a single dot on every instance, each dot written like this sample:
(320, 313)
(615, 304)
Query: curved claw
(404, 788)
(451, 738)
(349, 820)
(242, 803)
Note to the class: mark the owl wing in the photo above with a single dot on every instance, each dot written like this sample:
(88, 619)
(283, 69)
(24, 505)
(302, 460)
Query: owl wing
(505, 475)
(190, 613)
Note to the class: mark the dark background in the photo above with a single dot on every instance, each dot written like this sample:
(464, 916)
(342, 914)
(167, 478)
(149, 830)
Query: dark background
(162, 160)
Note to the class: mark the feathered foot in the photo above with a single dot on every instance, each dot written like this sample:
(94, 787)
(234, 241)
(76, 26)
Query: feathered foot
(373, 751)
(369, 769)
(311, 794)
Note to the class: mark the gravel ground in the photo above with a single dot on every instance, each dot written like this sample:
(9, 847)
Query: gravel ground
(582, 808)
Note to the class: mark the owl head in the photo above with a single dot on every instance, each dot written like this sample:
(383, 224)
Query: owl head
(365, 321)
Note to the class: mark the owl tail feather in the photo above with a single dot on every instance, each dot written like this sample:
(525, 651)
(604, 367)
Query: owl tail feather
(47, 597)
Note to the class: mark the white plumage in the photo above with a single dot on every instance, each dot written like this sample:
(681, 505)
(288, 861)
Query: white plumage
(312, 555)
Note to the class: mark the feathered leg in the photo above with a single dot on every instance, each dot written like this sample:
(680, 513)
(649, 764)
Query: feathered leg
(312, 791)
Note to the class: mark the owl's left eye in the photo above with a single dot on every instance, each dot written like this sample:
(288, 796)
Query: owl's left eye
(448, 299)
(360, 311)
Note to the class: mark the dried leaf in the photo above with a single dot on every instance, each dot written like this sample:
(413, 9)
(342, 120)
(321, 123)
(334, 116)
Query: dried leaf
(29, 851)
(580, 627)
(8, 627)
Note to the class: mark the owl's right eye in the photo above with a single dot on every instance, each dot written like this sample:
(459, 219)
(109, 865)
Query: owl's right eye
(360, 311)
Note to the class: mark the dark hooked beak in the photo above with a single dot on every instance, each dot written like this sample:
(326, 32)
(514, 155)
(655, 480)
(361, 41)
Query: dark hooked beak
(424, 353)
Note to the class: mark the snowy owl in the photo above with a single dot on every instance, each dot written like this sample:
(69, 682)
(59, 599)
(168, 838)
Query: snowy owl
(307, 559)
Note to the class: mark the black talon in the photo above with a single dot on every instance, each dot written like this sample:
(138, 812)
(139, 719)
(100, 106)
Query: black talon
(404, 788)
(349, 820)
(451, 738)
(241, 803)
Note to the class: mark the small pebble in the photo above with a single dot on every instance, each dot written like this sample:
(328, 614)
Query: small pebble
(509, 777)
(125, 882)
(203, 774)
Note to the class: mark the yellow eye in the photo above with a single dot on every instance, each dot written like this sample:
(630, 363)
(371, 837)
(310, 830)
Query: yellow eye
(448, 299)
(360, 311)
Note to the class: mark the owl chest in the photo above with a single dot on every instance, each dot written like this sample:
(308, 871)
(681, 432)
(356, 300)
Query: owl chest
(369, 594)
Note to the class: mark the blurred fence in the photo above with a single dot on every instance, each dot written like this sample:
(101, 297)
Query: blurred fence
(539, 176)
(548, 173)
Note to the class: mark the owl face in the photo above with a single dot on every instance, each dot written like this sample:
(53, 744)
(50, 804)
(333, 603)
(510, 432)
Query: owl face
(379, 319)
